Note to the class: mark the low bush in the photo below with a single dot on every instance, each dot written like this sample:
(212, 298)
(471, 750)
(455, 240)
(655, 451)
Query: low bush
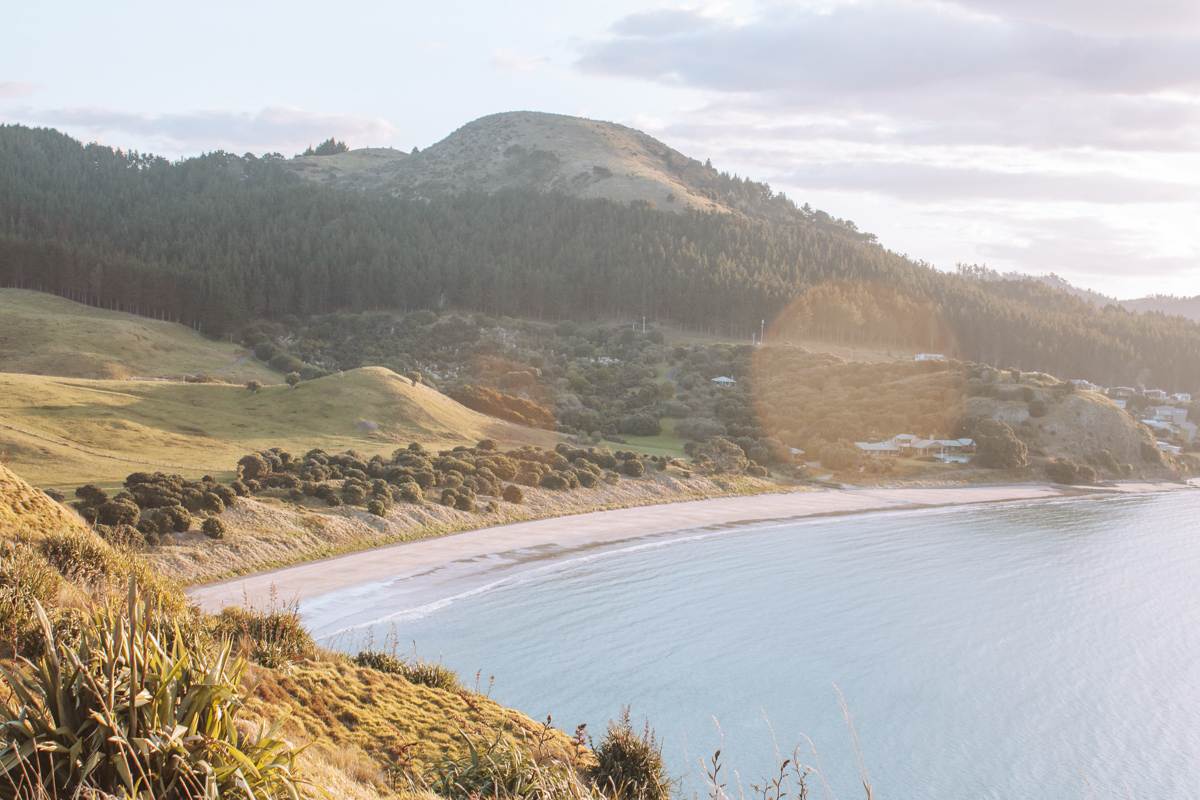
(426, 673)
(128, 706)
(273, 637)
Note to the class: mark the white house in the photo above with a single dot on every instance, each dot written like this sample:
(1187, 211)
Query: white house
(1123, 391)
(1173, 449)
(878, 449)
(1181, 397)
(1170, 414)
(1120, 402)
(723, 380)
(1085, 385)
(1155, 394)
(929, 357)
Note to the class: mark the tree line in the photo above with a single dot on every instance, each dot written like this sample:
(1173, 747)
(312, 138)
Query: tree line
(219, 240)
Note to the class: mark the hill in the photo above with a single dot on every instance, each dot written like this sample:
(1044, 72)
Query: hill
(546, 153)
(1188, 307)
(66, 432)
(220, 241)
(43, 334)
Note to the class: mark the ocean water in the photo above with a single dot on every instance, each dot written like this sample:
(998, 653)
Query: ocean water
(1044, 649)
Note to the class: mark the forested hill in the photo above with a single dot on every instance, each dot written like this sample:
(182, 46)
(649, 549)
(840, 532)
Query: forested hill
(1188, 307)
(219, 240)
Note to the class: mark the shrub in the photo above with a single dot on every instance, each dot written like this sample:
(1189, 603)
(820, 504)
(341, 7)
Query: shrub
(253, 467)
(1037, 408)
(253, 387)
(554, 481)
(213, 528)
(757, 471)
(629, 766)
(273, 637)
(640, 425)
(118, 512)
(998, 446)
(633, 467)
(513, 494)
(80, 721)
(293, 379)
(377, 507)
(425, 673)
(91, 495)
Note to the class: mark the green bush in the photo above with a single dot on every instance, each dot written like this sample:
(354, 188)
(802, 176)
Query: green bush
(426, 673)
(132, 708)
(213, 528)
(629, 766)
(273, 637)
(633, 467)
(513, 494)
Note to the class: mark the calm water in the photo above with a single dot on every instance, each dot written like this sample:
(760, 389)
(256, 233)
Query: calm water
(1029, 650)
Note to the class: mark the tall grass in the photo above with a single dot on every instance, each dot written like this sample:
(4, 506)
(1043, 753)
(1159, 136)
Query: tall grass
(132, 708)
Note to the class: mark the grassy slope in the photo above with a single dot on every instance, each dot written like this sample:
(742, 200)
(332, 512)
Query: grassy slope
(63, 432)
(47, 335)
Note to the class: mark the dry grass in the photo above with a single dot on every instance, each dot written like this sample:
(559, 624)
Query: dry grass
(370, 726)
(267, 533)
(44, 334)
(64, 432)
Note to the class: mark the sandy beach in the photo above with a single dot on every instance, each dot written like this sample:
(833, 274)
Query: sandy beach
(309, 580)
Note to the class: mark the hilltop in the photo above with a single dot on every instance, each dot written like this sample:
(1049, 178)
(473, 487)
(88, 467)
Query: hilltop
(66, 432)
(546, 153)
(43, 334)
(1188, 307)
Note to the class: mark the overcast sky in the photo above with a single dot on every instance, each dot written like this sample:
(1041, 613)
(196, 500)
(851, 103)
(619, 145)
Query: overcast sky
(1035, 135)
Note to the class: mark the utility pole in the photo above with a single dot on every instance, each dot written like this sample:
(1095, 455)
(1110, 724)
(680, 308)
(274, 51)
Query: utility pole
(762, 330)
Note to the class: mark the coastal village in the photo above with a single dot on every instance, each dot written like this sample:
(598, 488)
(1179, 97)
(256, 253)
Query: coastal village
(1166, 414)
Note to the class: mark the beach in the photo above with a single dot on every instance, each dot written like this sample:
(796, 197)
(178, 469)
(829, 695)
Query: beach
(312, 579)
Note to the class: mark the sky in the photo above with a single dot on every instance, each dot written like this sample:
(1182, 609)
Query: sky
(1032, 135)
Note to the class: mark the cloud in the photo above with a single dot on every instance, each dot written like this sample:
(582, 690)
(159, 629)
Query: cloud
(879, 47)
(272, 128)
(515, 62)
(931, 183)
(10, 89)
(1101, 16)
(1085, 246)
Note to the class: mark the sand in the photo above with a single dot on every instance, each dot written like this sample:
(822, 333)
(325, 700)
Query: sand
(305, 581)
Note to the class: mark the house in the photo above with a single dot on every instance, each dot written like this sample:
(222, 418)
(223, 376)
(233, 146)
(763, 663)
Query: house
(1169, 414)
(1181, 397)
(1085, 385)
(1155, 394)
(723, 380)
(1188, 431)
(1125, 392)
(1158, 425)
(1167, 447)
(929, 357)
(1120, 402)
(878, 449)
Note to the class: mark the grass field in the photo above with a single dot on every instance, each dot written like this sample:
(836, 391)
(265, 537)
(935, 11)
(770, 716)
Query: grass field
(44, 334)
(63, 432)
(664, 444)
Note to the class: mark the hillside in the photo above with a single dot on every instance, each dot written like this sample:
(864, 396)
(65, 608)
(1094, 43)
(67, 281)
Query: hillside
(42, 334)
(361, 728)
(66, 432)
(221, 241)
(544, 152)
(1188, 307)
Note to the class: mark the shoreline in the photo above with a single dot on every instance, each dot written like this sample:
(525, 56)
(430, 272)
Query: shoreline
(308, 580)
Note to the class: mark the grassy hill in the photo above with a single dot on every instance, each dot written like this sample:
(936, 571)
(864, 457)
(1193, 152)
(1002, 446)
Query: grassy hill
(44, 334)
(531, 150)
(67, 431)
(362, 728)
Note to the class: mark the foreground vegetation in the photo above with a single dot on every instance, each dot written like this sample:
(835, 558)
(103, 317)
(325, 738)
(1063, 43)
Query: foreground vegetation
(111, 687)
